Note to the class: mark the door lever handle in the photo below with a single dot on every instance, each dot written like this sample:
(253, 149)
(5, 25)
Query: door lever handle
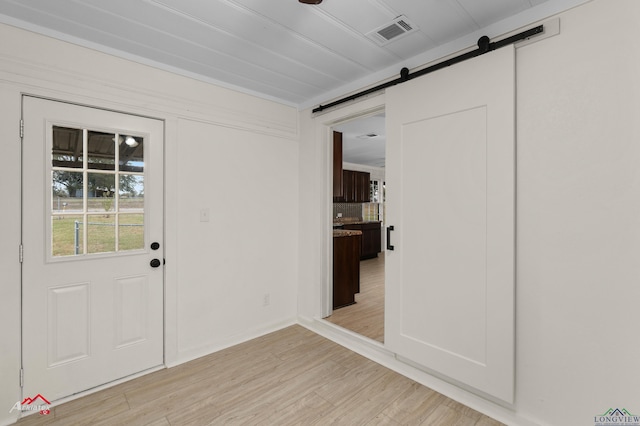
(389, 246)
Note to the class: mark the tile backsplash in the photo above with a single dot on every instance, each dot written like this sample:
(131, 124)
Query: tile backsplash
(347, 210)
(364, 211)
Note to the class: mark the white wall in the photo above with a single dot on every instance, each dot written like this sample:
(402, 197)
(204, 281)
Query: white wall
(578, 221)
(578, 234)
(226, 151)
(248, 249)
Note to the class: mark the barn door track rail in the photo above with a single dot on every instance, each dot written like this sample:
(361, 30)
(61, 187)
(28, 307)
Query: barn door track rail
(485, 45)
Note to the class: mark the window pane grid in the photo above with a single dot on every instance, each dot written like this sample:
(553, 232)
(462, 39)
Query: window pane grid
(107, 216)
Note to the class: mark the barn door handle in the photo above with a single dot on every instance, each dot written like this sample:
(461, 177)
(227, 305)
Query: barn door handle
(389, 229)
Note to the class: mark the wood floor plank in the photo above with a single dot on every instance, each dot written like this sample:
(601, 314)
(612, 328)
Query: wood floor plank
(160, 422)
(197, 380)
(463, 409)
(303, 411)
(367, 402)
(92, 410)
(290, 377)
(382, 420)
(444, 415)
(341, 389)
(414, 405)
(276, 394)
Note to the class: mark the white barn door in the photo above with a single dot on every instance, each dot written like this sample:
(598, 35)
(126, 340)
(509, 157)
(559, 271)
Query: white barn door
(451, 199)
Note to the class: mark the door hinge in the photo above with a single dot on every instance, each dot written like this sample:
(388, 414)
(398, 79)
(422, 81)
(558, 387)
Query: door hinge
(21, 253)
(21, 129)
(22, 377)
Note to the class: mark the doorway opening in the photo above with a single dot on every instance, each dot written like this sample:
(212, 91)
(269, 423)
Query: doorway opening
(358, 218)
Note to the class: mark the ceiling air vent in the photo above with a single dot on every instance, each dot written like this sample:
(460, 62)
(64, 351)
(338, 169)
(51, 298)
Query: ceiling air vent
(367, 136)
(394, 30)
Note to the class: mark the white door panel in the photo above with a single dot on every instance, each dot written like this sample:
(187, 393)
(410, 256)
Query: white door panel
(92, 206)
(450, 197)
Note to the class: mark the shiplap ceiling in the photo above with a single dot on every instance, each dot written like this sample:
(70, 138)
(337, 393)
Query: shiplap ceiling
(278, 49)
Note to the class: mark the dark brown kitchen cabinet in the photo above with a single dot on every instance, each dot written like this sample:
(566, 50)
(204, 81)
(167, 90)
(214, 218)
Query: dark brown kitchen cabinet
(370, 244)
(346, 267)
(371, 240)
(356, 186)
(349, 186)
(363, 187)
(338, 193)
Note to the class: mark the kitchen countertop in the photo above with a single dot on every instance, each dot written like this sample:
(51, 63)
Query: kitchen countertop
(352, 221)
(345, 233)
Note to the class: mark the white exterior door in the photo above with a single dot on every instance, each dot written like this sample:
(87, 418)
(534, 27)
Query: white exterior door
(450, 197)
(92, 209)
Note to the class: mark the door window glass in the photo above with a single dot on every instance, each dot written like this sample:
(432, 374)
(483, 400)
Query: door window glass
(97, 198)
(101, 152)
(67, 148)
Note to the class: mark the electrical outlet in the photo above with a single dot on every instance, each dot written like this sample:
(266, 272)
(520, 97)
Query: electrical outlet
(266, 299)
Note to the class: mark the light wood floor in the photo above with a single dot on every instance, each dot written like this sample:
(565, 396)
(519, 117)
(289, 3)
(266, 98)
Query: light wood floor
(366, 316)
(290, 377)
